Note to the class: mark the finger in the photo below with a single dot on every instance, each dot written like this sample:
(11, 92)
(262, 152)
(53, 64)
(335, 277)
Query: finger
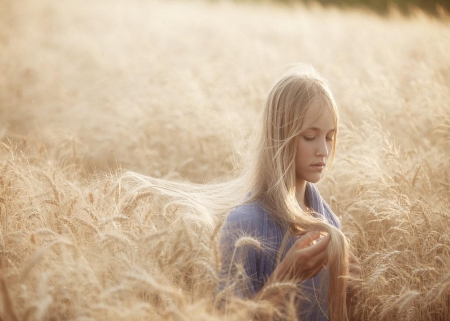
(320, 260)
(307, 239)
(318, 269)
(307, 272)
(315, 263)
(317, 248)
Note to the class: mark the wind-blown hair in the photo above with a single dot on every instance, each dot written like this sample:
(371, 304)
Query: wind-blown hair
(268, 175)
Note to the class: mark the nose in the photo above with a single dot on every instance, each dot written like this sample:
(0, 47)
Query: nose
(322, 148)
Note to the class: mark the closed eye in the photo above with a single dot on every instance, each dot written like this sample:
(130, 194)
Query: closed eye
(309, 139)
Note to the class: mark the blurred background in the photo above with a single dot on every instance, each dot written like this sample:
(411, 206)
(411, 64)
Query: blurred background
(112, 81)
(89, 89)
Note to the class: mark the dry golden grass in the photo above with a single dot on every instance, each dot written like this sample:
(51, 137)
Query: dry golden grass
(173, 88)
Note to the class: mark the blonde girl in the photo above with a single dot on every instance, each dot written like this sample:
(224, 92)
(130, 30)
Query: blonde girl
(285, 211)
(280, 241)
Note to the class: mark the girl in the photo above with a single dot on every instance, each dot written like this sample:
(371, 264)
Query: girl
(267, 243)
(280, 242)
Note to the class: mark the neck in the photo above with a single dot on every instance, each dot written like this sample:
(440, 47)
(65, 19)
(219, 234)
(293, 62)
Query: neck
(300, 190)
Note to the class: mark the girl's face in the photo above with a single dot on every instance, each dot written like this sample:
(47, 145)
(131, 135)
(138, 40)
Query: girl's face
(314, 144)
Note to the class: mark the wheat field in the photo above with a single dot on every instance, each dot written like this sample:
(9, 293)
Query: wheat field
(172, 89)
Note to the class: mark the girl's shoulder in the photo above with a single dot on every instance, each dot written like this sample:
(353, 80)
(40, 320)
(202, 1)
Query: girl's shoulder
(248, 214)
(252, 219)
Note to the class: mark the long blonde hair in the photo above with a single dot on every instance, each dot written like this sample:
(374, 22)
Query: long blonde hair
(268, 175)
(275, 180)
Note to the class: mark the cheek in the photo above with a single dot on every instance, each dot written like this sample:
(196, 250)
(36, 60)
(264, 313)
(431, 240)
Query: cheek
(303, 152)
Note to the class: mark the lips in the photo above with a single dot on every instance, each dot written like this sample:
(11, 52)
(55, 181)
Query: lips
(318, 166)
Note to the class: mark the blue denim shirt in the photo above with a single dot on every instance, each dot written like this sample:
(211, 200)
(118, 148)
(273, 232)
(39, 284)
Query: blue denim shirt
(259, 263)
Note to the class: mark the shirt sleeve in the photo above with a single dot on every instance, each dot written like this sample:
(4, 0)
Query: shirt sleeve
(240, 246)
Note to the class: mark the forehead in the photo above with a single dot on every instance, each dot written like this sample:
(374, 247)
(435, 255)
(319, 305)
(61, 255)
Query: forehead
(319, 115)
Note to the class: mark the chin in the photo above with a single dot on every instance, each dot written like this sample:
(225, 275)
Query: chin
(314, 179)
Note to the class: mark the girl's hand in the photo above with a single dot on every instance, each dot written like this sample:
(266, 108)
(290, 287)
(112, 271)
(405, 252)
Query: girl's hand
(304, 260)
